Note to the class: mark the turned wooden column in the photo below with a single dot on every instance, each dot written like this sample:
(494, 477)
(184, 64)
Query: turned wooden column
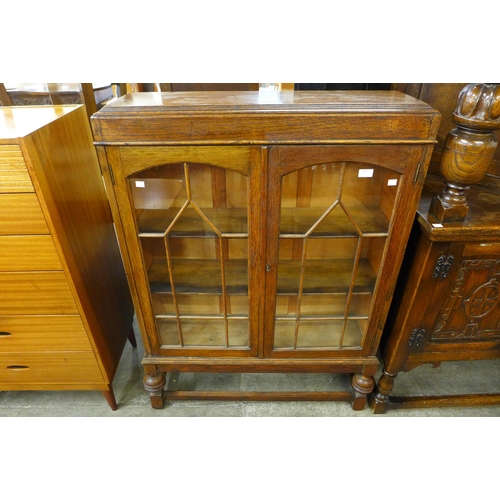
(469, 148)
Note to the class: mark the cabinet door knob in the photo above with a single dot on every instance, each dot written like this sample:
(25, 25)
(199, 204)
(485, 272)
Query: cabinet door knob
(268, 268)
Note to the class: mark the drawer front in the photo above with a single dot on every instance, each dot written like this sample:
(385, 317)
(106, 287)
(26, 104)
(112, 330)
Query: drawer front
(36, 293)
(64, 367)
(28, 253)
(14, 176)
(42, 333)
(490, 250)
(21, 213)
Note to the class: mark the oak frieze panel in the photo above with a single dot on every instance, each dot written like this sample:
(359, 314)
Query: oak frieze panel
(475, 295)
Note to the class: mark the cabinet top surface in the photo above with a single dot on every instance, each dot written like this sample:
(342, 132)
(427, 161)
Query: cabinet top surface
(482, 220)
(265, 101)
(20, 121)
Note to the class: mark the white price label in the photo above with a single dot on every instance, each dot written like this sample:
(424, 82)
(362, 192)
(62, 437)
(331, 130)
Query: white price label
(140, 184)
(365, 172)
(392, 182)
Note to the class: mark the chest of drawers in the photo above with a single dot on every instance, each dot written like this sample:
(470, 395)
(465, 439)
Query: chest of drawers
(65, 308)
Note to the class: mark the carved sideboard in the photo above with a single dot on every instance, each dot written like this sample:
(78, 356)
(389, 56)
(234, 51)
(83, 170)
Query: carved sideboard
(447, 301)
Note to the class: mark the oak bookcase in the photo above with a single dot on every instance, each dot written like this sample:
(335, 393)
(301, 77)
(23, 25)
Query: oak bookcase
(263, 232)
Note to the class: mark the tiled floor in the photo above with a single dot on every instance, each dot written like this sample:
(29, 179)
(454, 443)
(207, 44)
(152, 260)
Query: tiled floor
(133, 401)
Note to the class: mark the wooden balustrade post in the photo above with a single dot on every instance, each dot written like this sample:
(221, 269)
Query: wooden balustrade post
(469, 149)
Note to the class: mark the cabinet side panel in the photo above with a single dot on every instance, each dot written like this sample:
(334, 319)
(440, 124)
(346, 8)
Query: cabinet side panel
(66, 174)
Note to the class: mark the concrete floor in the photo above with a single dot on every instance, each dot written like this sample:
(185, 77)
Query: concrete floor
(133, 401)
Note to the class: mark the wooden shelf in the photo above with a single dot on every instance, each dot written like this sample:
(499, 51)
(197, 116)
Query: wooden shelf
(325, 276)
(228, 221)
(232, 222)
(197, 276)
(297, 221)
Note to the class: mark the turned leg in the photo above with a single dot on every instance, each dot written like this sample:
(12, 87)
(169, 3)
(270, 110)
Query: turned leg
(110, 397)
(379, 402)
(131, 337)
(154, 383)
(362, 384)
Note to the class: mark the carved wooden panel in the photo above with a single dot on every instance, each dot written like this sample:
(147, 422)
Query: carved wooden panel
(471, 313)
(40, 99)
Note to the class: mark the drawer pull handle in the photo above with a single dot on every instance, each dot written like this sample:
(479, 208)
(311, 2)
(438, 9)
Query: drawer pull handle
(18, 367)
(5, 334)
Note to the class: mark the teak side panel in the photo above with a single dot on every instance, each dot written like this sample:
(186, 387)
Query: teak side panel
(66, 172)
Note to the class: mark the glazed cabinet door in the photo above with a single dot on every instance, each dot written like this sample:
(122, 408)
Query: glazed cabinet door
(331, 214)
(192, 219)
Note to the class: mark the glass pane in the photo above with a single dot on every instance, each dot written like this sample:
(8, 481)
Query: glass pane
(195, 332)
(318, 334)
(284, 334)
(353, 334)
(368, 196)
(206, 332)
(158, 194)
(194, 238)
(360, 305)
(325, 333)
(168, 332)
(320, 305)
(238, 332)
